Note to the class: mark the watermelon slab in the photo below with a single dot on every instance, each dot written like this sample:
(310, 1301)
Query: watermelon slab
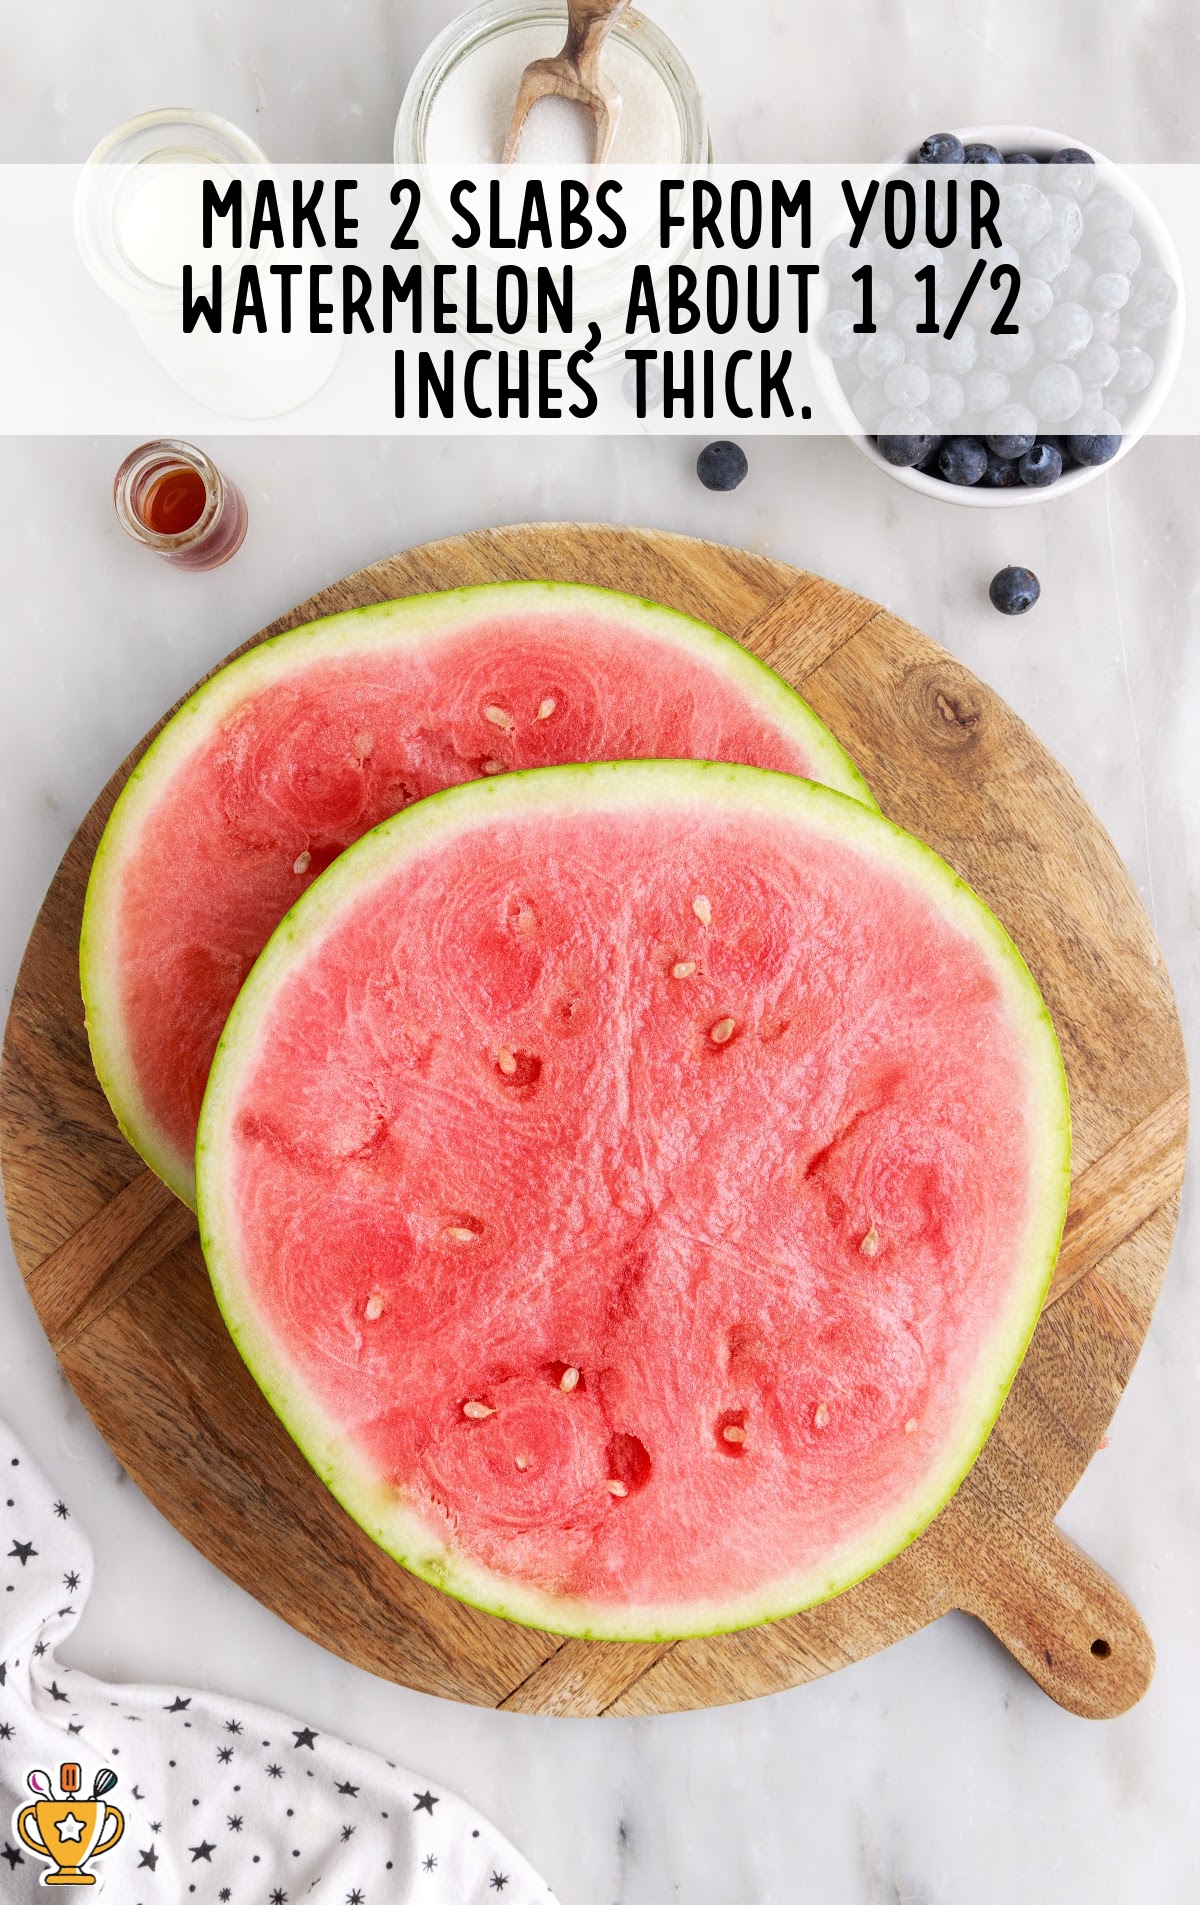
(634, 1187)
(296, 749)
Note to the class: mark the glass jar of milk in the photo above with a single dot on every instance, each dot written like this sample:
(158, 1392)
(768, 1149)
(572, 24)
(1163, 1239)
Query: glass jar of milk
(460, 99)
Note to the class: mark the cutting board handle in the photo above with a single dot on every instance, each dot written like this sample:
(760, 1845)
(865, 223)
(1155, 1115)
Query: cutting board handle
(1061, 1616)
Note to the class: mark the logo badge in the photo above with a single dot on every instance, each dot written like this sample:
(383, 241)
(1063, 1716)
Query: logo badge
(70, 1831)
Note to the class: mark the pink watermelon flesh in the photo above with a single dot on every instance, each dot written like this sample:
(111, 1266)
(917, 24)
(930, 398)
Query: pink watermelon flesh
(294, 752)
(723, 1094)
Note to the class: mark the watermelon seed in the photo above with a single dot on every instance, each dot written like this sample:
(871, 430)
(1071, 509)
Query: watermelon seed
(493, 767)
(499, 718)
(547, 708)
(722, 1031)
(616, 1488)
(302, 862)
(733, 1432)
(526, 920)
(822, 1415)
(477, 1410)
(506, 1061)
(702, 910)
(684, 969)
(522, 1461)
(568, 1380)
(910, 1427)
(459, 1234)
(870, 1243)
(364, 747)
(374, 1307)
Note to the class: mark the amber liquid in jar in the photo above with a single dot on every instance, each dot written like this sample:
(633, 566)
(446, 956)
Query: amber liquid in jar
(171, 498)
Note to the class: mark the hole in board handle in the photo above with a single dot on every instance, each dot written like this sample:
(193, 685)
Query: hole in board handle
(1102, 1649)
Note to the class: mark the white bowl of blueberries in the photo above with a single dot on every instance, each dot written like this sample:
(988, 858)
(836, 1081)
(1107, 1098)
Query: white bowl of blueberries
(1099, 318)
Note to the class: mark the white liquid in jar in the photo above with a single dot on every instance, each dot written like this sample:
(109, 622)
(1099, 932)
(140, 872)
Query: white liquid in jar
(470, 112)
(158, 218)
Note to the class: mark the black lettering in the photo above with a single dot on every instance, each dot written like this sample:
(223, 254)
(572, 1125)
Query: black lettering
(249, 302)
(267, 218)
(195, 308)
(304, 212)
(216, 205)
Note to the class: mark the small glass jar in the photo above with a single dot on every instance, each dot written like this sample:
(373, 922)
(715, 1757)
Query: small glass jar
(131, 187)
(173, 499)
(544, 22)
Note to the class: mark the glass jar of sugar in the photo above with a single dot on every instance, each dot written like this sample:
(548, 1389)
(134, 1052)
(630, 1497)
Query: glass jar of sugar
(460, 99)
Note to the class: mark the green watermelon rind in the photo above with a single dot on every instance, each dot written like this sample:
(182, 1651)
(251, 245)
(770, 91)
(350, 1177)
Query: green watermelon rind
(415, 620)
(601, 787)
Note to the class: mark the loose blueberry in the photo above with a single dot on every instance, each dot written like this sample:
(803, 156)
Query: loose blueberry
(1040, 466)
(1021, 158)
(1014, 591)
(722, 465)
(1072, 155)
(1001, 473)
(962, 460)
(980, 153)
(905, 452)
(941, 148)
(1093, 450)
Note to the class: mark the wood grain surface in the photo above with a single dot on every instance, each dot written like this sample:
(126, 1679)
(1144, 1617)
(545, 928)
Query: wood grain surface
(114, 1268)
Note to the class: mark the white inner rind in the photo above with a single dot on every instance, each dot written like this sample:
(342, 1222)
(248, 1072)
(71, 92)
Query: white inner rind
(609, 788)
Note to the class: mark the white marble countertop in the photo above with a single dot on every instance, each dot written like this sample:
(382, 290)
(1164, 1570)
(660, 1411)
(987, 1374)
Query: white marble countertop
(936, 1772)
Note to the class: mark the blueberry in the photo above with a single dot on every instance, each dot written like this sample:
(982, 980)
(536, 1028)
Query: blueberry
(1021, 158)
(980, 153)
(1011, 445)
(1072, 155)
(1040, 466)
(941, 148)
(962, 460)
(1014, 591)
(928, 466)
(1093, 450)
(721, 465)
(906, 451)
(1001, 473)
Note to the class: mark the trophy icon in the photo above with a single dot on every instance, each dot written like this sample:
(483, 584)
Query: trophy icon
(70, 1831)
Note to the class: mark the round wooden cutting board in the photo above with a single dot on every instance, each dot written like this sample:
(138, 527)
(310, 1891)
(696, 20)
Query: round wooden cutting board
(114, 1268)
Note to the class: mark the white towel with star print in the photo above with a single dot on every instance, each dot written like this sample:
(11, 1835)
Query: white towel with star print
(223, 1803)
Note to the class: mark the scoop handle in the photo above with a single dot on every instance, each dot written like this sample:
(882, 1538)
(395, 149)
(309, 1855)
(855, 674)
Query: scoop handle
(588, 25)
(1060, 1616)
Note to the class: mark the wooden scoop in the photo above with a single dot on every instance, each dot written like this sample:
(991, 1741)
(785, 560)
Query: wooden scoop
(574, 74)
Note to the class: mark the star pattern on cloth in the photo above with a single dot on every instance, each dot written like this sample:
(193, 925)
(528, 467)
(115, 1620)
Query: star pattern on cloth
(216, 1773)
